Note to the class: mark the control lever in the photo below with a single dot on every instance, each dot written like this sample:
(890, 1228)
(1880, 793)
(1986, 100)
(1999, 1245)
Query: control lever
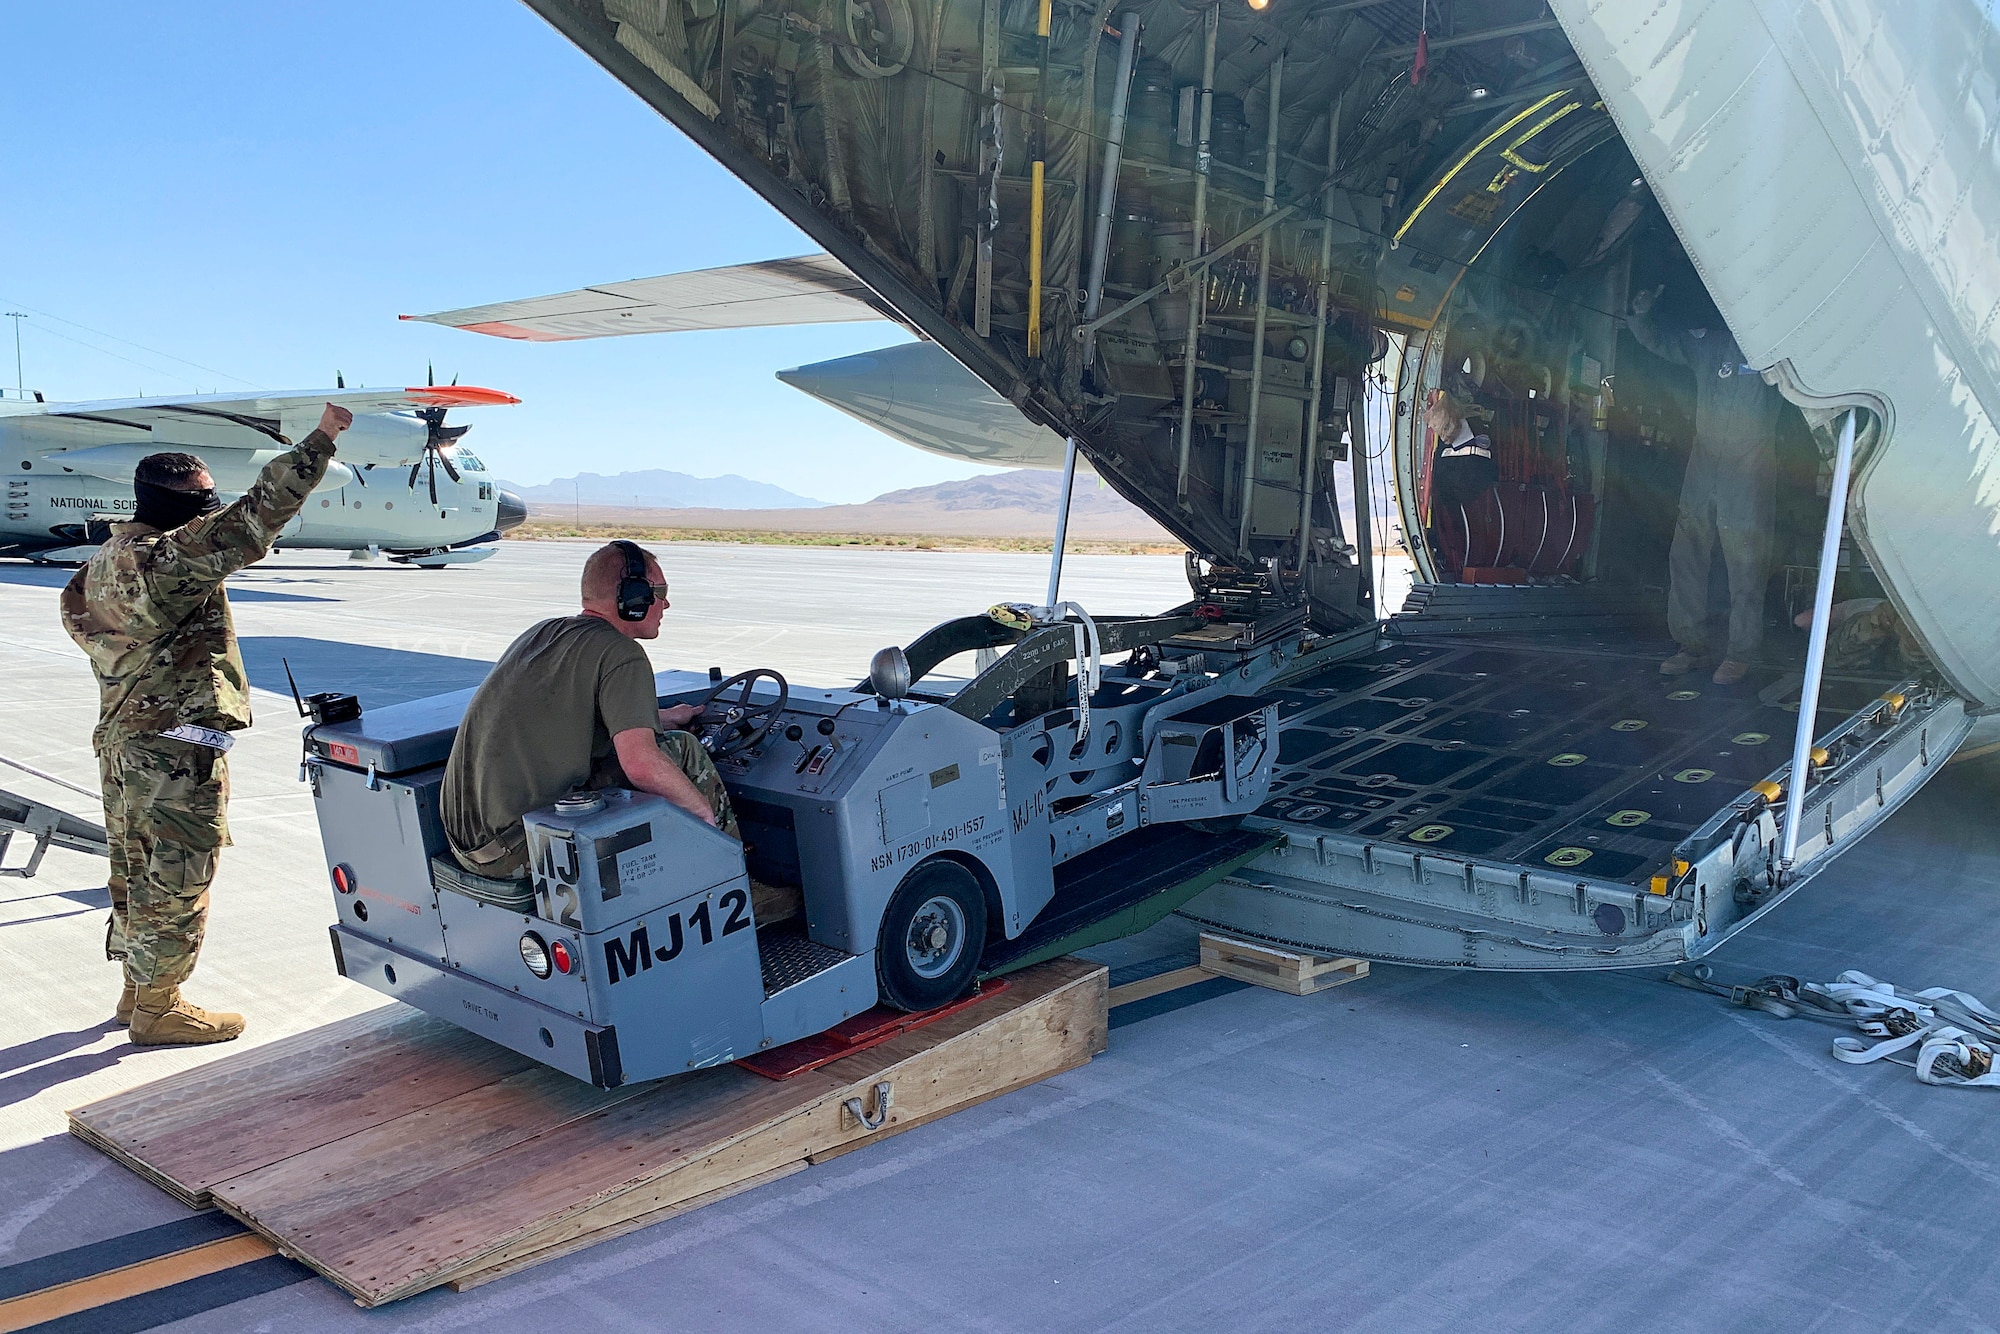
(825, 729)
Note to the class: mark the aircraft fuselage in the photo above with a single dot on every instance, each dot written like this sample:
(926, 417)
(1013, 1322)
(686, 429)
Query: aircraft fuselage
(54, 491)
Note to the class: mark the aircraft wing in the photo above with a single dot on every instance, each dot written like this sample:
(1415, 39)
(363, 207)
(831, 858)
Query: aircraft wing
(260, 412)
(804, 289)
(386, 430)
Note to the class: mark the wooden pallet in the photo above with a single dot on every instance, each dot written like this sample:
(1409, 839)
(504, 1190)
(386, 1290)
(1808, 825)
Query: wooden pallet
(393, 1152)
(1281, 970)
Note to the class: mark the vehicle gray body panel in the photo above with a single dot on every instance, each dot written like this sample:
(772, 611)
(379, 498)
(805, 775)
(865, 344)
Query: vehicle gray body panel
(495, 1013)
(654, 904)
(385, 836)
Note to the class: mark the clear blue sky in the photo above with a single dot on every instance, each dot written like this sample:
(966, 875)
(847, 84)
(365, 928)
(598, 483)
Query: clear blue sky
(262, 188)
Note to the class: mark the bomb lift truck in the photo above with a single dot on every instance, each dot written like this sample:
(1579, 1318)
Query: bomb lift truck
(937, 831)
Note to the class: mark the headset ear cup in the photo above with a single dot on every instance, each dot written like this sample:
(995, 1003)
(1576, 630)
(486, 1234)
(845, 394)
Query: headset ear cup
(635, 591)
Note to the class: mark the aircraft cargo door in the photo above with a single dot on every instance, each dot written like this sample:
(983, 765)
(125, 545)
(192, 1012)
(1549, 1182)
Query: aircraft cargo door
(1826, 167)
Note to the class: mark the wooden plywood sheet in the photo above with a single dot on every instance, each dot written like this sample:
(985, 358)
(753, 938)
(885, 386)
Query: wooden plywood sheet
(191, 1130)
(395, 1153)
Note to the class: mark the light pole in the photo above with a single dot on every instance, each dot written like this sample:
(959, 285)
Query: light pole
(20, 385)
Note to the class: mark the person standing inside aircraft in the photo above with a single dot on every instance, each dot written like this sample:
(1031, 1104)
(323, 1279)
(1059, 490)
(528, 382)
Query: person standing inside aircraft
(572, 702)
(1462, 464)
(1462, 469)
(149, 611)
(1728, 494)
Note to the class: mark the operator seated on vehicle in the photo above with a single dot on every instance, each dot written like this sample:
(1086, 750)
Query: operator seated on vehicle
(572, 703)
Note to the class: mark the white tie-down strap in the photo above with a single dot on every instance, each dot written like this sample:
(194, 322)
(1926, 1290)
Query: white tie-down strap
(1948, 1037)
(1088, 656)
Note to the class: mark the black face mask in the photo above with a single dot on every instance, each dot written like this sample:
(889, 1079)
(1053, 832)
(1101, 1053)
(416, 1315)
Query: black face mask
(166, 509)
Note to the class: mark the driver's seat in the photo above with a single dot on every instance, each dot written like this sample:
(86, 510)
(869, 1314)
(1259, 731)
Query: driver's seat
(513, 895)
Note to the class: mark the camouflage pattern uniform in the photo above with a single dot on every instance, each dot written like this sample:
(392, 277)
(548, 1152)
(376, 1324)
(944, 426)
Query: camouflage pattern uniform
(1868, 635)
(149, 611)
(688, 756)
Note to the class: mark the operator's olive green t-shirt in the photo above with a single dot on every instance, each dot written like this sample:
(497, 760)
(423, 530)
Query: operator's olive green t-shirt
(548, 710)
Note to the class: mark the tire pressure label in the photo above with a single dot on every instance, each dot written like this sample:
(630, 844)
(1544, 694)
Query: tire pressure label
(991, 755)
(942, 838)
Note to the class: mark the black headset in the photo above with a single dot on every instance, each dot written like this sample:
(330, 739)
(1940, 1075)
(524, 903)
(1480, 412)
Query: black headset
(635, 590)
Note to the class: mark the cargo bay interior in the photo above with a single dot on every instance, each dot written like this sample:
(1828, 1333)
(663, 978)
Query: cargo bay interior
(1232, 251)
(1519, 712)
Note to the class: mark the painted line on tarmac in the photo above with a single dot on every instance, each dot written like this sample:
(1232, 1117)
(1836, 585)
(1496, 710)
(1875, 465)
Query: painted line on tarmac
(144, 1278)
(1160, 986)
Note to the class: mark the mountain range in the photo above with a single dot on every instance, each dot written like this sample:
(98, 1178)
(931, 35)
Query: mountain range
(1019, 503)
(656, 488)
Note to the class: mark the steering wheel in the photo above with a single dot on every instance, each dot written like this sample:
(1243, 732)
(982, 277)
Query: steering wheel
(741, 724)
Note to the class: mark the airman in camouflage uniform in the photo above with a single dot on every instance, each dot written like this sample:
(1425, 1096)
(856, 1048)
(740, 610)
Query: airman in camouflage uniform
(1866, 635)
(149, 611)
(684, 749)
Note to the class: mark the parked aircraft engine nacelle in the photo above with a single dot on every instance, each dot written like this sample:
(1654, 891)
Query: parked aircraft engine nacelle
(385, 439)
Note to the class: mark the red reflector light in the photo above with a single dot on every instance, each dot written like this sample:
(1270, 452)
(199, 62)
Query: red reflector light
(343, 879)
(564, 960)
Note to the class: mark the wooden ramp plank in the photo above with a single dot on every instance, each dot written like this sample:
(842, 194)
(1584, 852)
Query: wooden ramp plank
(205, 1125)
(515, 1259)
(410, 1239)
(681, 1138)
(458, 1166)
(404, 1154)
(1291, 971)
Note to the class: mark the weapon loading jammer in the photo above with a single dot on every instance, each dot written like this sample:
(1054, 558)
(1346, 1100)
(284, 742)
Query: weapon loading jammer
(935, 834)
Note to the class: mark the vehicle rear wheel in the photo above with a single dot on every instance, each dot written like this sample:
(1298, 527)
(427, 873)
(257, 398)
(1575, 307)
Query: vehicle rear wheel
(931, 937)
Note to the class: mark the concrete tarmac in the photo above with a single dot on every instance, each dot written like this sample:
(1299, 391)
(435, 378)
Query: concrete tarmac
(1418, 1150)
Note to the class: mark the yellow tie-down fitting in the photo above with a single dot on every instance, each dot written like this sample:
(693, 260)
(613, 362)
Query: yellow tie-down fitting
(1892, 704)
(1665, 881)
(1771, 792)
(1819, 755)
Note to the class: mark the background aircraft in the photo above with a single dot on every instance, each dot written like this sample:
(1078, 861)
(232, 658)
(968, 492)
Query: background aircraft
(402, 482)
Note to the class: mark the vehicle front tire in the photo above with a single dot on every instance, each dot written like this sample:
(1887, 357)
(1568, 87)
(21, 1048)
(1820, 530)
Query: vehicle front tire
(931, 937)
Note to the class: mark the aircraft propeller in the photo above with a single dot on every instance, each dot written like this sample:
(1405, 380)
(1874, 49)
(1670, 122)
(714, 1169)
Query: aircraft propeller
(436, 438)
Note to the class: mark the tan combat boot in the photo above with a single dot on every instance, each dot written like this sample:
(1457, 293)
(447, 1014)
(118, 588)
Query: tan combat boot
(126, 1000)
(162, 1019)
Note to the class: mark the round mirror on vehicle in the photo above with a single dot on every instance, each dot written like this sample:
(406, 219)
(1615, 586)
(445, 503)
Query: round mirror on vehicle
(889, 673)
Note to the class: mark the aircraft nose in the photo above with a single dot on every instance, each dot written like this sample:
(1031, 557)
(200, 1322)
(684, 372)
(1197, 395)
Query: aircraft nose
(512, 511)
